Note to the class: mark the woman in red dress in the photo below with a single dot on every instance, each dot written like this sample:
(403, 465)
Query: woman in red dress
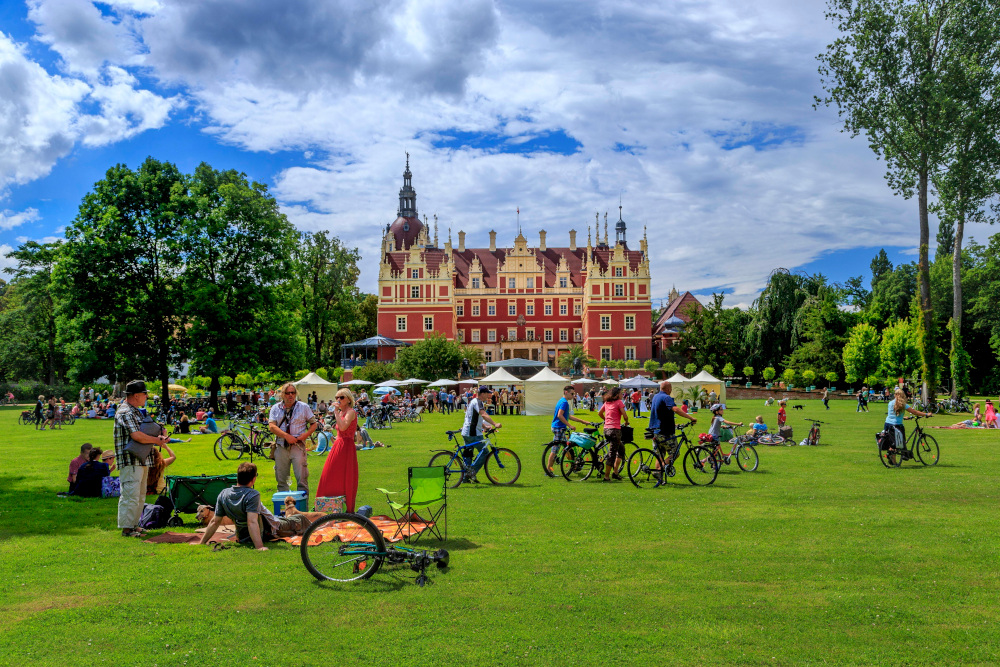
(340, 472)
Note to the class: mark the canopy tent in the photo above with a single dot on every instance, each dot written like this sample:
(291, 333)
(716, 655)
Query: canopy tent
(522, 368)
(676, 377)
(374, 348)
(640, 382)
(709, 383)
(177, 389)
(706, 381)
(388, 383)
(610, 383)
(325, 391)
(411, 381)
(542, 391)
(443, 383)
(585, 381)
(354, 383)
(386, 390)
(499, 378)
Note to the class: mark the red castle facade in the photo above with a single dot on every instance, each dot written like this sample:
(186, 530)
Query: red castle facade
(516, 301)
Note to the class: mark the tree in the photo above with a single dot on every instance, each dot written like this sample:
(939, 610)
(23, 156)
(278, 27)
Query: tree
(375, 372)
(119, 277)
(28, 321)
(748, 373)
(861, 353)
(651, 366)
(326, 272)
(899, 353)
(226, 380)
(713, 333)
(474, 355)
(789, 376)
(728, 369)
(708, 368)
(768, 374)
(772, 322)
(432, 358)
(819, 332)
(831, 378)
(244, 380)
(575, 351)
(670, 368)
(690, 369)
(960, 361)
(985, 275)
(888, 75)
(808, 376)
(237, 244)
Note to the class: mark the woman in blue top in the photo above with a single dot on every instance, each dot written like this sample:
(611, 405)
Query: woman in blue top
(894, 419)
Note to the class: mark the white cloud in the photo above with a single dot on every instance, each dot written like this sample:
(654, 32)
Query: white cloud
(82, 35)
(11, 219)
(5, 262)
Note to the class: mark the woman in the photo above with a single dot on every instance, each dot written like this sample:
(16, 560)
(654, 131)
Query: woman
(39, 411)
(156, 481)
(340, 472)
(613, 412)
(185, 424)
(894, 421)
(50, 413)
(90, 474)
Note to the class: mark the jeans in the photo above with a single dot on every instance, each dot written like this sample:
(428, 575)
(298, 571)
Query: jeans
(133, 498)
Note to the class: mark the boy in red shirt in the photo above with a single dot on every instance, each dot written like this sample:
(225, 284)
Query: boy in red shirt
(781, 413)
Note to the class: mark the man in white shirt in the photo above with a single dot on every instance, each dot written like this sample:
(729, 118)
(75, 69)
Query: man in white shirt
(292, 422)
(472, 428)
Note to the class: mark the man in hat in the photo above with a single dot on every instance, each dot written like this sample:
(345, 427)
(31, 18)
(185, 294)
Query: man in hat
(133, 470)
(292, 422)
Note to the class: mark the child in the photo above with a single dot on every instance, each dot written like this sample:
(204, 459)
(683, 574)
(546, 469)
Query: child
(781, 412)
(991, 415)
(759, 427)
(715, 429)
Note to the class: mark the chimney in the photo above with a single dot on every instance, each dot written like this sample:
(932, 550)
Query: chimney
(461, 241)
(493, 241)
(572, 240)
(541, 240)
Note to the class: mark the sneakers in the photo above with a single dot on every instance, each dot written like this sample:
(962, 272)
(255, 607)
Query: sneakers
(616, 476)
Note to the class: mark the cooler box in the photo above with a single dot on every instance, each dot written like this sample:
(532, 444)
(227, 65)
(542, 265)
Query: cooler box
(330, 504)
(279, 501)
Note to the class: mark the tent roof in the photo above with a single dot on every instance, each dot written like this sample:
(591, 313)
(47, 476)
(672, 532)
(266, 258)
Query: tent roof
(639, 382)
(354, 382)
(705, 376)
(388, 383)
(586, 381)
(677, 377)
(500, 376)
(312, 378)
(523, 363)
(547, 375)
(442, 383)
(377, 341)
(412, 381)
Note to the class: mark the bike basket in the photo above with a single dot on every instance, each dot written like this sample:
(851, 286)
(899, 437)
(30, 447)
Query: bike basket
(582, 440)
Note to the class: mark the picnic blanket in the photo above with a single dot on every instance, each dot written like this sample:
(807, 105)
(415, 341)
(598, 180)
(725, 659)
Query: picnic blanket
(223, 534)
(339, 531)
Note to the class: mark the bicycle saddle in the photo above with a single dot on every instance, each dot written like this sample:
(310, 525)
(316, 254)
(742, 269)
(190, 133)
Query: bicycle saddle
(590, 431)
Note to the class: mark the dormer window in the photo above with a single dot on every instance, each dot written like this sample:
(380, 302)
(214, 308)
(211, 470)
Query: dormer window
(475, 283)
(563, 282)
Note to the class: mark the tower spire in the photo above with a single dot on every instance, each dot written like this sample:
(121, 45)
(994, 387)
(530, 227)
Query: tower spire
(407, 195)
(620, 227)
(435, 230)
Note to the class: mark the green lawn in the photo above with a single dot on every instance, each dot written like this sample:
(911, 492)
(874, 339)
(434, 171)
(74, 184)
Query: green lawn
(822, 556)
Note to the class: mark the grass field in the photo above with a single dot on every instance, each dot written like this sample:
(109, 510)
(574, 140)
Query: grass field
(822, 556)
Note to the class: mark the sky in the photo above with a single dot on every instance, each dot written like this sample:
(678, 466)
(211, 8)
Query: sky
(697, 116)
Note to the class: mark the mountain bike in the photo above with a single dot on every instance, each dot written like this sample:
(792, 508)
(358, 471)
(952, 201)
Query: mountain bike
(359, 551)
(502, 465)
(813, 437)
(555, 449)
(648, 467)
(919, 444)
(578, 463)
(242, 438)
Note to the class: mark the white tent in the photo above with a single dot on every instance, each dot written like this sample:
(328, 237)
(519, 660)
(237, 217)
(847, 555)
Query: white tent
(325, 391)
(542, 391)
(443, 383)
(410, 381)
(388, 383)
(355, 383)
(499, 378)
(676, 377)
(709, 383)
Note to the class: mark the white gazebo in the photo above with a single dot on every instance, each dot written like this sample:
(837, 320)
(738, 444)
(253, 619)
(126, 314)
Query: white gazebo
(542, 391)
(709, 382)
(499, 378)
(325, 391)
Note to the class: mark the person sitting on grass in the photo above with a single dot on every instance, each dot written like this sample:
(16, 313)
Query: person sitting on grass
(184, 425)
(759, 427)
(364, 441)
(209, 426)
(715, 429)
(88, 478)
(77, 463)
(254, 523)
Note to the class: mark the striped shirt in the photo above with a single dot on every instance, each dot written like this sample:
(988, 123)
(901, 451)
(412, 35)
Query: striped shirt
(128, 420)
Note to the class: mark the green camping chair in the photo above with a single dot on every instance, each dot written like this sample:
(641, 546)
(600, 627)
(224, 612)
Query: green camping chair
(427, 487)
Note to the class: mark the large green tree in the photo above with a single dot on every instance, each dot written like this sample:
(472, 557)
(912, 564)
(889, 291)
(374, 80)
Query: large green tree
(28, 318)
(433, 358)
(237, 244)
(899, 353)
(120, 271)
(887, 75)
(861, 353)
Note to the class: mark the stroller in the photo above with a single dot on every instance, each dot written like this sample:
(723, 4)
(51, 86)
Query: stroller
(186, 493)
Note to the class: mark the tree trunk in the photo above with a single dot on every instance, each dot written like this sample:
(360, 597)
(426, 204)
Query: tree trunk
(52, 352)
(213, 393)
(924, 280)
(956, 280)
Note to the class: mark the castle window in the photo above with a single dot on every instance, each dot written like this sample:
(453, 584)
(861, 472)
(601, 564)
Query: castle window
(605, 354)
(491, 310)
(475, 283)
(630, 322)
(475, 310)
(491, 335)
(619, 272)
(511, 283)
(530, 309)
(577, 335)
(605, 323)
(429, 323)
(548, 335)
(414, 291)
(548, 309)
(629, 353)
(511, 334)
(563, 282)
(531, 283)
(460, 310)
(461, 334)
(577, 309)
(475, 335)
(511, 309)
(488, 356)
(529, 334)
(401, 323)
(619, 289)
(564, 335)
(415, 274)
(563, 309)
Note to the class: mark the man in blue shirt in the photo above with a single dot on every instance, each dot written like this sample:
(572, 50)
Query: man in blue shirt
(560, 421)
(661, 422)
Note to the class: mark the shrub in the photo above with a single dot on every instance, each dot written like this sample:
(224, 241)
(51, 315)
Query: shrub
(769, 373)
(670, 368)
(336, 374)
(728, 369)
(808, 376)
(225, 380)
(244, 379)
(323, 373)
(831, 377)
(633, 364)
(748, 372)
(690, 369)
(789, 376)
(709, 368)
(651, 366)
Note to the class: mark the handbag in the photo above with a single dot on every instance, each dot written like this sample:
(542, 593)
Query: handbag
(141, 450)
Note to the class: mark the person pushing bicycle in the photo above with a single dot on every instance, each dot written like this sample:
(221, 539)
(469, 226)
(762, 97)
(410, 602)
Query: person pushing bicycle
(894, 421)
(661, 423)
(715, 430)
(560, 421)
(472, 429)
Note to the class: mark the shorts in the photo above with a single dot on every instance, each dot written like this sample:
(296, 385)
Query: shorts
(558, 435)
(614, 438)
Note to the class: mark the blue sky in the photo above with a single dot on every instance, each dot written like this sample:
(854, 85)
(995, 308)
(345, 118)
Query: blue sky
(697, 114)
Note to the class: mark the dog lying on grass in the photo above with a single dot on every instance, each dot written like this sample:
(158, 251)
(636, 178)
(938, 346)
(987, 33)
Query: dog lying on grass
(205, 513)
(798, 407)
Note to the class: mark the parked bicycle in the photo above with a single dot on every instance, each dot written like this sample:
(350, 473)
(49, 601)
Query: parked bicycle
(502, 466)
(813, 437)
(653, 466)
(26, 418)
(242, 438)
(586, 453)
(742, 451)
(919, 444)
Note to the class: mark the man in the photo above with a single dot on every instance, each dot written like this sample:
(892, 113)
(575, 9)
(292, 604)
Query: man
(636, 399)
(254, 523)
(560, 421)
(472, 428)
(74, 465)
(661, 422)
(292, 422)
(133, 470)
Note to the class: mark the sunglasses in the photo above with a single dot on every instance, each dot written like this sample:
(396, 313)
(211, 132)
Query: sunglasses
(290, 393)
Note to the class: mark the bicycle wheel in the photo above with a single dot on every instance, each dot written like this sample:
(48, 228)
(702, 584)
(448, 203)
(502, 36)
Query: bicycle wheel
(746, 458)
(577, 464)
(927, 450)
(230, 446)
(890, 458)
(553, 448)
(452, 468)
(700, 466)
(503, 467)
(22, 420)
(644, 468)
(356, 552)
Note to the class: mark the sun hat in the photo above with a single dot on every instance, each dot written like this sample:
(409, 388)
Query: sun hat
(135, 387)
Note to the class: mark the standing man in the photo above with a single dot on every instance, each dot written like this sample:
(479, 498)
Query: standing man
(472, 428)
(636, 400)
(132, 470)
(560, 422)
(826, 397)
(661, 422)
(292, 422)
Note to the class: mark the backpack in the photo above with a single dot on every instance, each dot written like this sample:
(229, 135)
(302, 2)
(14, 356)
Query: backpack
(153, 516)
(885, 440)
(111, 487)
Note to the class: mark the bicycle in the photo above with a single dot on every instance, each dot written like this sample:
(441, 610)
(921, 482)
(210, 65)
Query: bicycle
(558, 446)
(923, 445)
(241, 438)
(646, 466)
(502, 465)
(26, 418)
(359, 551)
(813, 437)
(742, 450)
(578, 462)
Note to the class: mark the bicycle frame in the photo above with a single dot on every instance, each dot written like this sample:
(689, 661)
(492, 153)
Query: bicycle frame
(466, 466)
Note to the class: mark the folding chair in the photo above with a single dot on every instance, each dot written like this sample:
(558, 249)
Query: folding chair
(426, 488)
